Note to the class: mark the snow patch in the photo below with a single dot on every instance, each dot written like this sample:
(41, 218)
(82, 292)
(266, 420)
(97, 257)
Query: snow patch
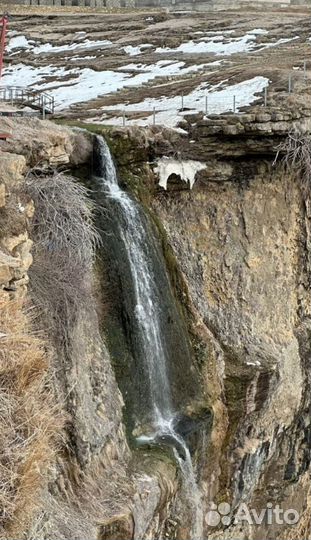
(87, 84)
(21, 42)
(22, 75)
(18, 42)
(134, 51)
(215, 44)
(78, 58)
(87, 44)
(220, 45)
(260, 31)
(277, 43)
(187, 170)
(168, 109)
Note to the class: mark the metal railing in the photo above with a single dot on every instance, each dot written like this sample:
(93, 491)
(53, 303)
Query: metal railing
(208, 103)
(22, 96)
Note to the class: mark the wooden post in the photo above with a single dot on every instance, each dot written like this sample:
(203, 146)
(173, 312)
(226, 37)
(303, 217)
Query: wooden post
(124, 119)
(154, 116)
(182, 102)
(266, 95)
(234, 104)
(206, 104)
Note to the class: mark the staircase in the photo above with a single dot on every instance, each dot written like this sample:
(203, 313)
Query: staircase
(16, 95)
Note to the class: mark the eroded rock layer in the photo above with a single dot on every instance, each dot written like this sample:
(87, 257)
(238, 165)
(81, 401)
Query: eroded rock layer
(236, 248)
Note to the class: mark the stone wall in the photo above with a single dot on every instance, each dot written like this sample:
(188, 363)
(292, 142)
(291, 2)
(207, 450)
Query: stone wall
(196, 5)
(15, 245)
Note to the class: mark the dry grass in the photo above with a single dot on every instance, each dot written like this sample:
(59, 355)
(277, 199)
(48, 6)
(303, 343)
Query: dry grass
(29, 421)
(65, 242)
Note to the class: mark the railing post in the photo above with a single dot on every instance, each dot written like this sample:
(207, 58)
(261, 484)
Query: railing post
(266, 96)
(290, 83)
(182, 101)
(43, 109)
(305, 69)
(124, 119)
(206, 104)
(154, 116)
(234, 104)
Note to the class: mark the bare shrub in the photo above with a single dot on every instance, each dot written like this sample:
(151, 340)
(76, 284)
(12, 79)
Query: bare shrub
(295, 153)
(30, 423)
(63, 219)
(65, 242)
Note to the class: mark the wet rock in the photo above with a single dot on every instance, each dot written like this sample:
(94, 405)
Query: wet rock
(186, 425)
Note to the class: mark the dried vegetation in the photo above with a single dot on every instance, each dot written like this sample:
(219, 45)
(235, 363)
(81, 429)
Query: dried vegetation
(65, 242)
(30, 423)
(295, 153)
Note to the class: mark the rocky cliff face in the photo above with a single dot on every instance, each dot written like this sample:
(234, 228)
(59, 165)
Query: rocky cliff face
(242, 263)
(239, 244)
(236, 248)
(95, 487)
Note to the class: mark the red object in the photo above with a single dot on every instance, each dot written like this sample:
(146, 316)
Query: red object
(3, 30)
(5, 136)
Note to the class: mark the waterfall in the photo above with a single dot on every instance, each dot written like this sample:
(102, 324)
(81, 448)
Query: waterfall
(135, 240)
(132, 233)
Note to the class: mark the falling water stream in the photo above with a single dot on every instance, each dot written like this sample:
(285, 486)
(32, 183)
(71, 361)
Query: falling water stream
(147, 319)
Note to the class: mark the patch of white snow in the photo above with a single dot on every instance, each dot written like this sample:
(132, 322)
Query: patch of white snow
(168, 109)
(18, 42)
(134, 51)
(215, 44)
(186, 170)
(21, 42)
(87, 84)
